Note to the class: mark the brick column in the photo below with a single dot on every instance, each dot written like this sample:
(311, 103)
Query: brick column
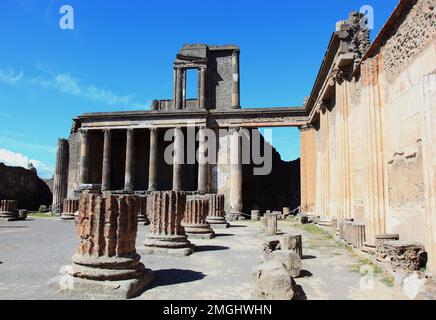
(165, 209)
(60, 183)
(217, 216)
(142, 214)
(203, 165)
(178, 159)
(152, 171)
(106, 263)
(8, 210)
(129, 184)
(194, 221)
(84, 157)
(106, 169)
(70, 207)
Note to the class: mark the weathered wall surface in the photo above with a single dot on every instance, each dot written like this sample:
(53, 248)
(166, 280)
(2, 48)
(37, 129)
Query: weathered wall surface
(23, 185)
(376, 142)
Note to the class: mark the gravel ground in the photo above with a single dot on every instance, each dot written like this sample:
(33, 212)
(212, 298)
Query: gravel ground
(32, 252)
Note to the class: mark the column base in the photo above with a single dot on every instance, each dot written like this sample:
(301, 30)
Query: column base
(176, 245)
(10, 216)
(67, 216)
(199, 231)
(217, 222)
(94, 289)
(235, 216)
(103, 277)
(143, 220)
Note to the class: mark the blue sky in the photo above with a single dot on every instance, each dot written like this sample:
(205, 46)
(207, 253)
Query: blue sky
(119, 57)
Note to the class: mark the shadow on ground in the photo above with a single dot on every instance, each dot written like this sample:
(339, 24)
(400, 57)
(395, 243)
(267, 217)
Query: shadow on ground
(175, 276)
(210, 248)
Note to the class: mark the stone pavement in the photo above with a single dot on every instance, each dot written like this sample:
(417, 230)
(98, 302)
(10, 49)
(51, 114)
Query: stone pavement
(32, 252)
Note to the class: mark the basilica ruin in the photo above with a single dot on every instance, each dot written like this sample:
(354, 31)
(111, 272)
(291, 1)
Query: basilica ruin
(367, 172)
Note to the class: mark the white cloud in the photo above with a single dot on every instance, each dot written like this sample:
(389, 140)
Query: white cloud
(9, 76)
(65, 83)
(19, 160)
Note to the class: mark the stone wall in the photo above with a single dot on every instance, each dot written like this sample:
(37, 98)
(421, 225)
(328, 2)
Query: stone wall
(23, 185)
(376, 141)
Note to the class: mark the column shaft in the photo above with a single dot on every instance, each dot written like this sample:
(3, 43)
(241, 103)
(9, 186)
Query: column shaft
(152, 171)
(129, 173)
(178, 159)
(202, 88)
(236, 173)
(235, 81)
(84, 157)
(106, 169)
(60, 183)
(179, 85)
(203, 166)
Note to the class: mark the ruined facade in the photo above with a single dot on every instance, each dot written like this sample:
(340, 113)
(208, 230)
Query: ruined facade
(367, 132)
(368, 150)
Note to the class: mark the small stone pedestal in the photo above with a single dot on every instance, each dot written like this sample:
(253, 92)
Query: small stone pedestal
(405, 256)
(271, 229)
(142, 216)
(293, 243)
(8, 210)
(358, 235)
(255, 215)
(263, 223)
(343, 228)
(217, 216)
(70, 207)
(194, 221)
(286, 212)
(334, 226)
(166, 234)
(380, 239)
(106, 264)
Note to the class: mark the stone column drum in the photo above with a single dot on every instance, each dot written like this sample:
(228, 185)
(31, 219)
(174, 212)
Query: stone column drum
(60, 182)
(194, 221)
(166, 234)
(255, 215)
(271, 228)
(106, 264)
(70, 207)
(380, 239)
(217, 216)
(8, 210)
(142, 215)
(359, 236)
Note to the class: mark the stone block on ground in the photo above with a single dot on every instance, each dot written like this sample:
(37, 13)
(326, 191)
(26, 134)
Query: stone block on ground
(273, 282)
(290, 260)
(292, 242)
(405, 256)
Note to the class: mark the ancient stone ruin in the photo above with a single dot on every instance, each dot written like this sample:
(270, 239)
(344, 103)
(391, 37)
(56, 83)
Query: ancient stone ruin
(194, 220)
(166, 234)
(106, 263)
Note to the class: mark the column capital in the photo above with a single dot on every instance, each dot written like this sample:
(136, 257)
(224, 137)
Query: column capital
(107, 132)
(130, 131)
(153, 130)
(84, 131)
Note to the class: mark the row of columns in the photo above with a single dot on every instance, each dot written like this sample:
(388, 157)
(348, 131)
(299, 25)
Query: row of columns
(203, 169)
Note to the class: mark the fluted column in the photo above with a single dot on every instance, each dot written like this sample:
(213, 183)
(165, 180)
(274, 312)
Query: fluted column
(70, 207)
(8, 210)
(178, 159)
(84, 156)
(202, 88)
(152, 171)
(235, 80)
(60, 183)
(216, 216)
(166, 236)
(203, 166)
(194, 220)
(236, 173)
(106, 259)
(129, 174)
(106, 170)
(178, 91)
